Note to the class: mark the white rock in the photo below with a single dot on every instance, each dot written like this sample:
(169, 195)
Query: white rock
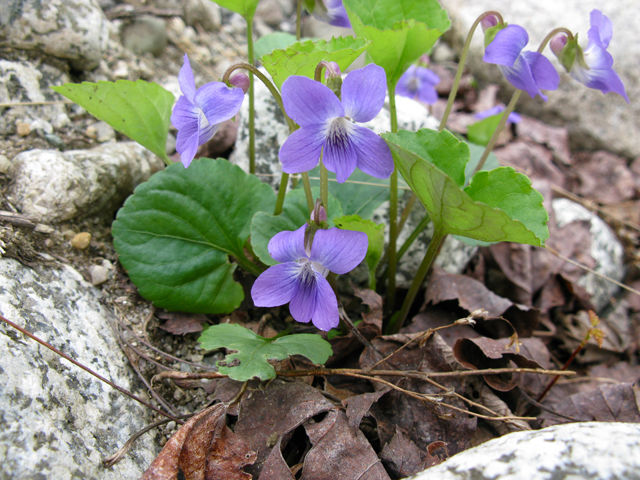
(23, 82)
(41, 125)
(6, 166)
(606, 250)
(53, 186)
(104, 132)
(606, 451)
(203, 12)
(594, 120)
(60, 120)
(74, 30)
(99, 274)
(57, 420)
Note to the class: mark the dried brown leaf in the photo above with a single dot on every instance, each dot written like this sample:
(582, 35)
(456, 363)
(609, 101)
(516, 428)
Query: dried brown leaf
(401, 456)
(554, 138)
(179, 323)
(358, 406)
(275, 468)
(228, 455)
(604, 177)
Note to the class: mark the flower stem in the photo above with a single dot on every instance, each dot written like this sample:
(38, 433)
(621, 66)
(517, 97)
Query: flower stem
(499, 128)
(299, 20)
(324, 183)
(432, 251)
(307, 191)
(282, 191)
(252, 113)
(393, 209)
(263, 78)
(463, 60)
(552, 34)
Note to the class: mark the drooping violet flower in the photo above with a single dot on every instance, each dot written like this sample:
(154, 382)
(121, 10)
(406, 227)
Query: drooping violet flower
(198, 113)
(326, 125)
(528, 71)
(513, 116)
(300, 279)
(593, 66)
(332, 12)
(419, 83)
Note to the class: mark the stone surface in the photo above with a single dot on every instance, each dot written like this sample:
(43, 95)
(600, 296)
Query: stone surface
(204, 13)
(74, 30)
(52, 186)
(594, 120)
(24, 82)
(145, 34)
(99, 274)
(58, 421)
(606, 250)
(605, 451)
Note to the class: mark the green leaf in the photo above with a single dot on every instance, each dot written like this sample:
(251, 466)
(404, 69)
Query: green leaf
(400, 30)
(360, 195)
(174, 233)
(253, 351)
(302, 58)
(476, 152)
(272, 41)
(140, 110)
(294, 214)
(374, 232)
(482, 131)
(502, 206)
(246, 8)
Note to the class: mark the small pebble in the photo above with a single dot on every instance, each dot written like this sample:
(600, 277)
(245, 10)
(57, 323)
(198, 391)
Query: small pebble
(99, 274)
(107, 264)
(81, 240)
(23, 129)
(60, 121)
(5, 165)
(54, 140)
(104, 132)
(41, 126)
(91, 132)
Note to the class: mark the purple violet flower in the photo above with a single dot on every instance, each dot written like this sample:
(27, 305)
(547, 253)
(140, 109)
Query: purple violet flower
(326, 125)
(528, 71)
(513, 116)
(592, 67)
(419, 83)
(332, 12)
(198, 113)
(301, 277)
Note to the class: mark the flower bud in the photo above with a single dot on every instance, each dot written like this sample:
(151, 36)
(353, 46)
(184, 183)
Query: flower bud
(558, 43)
(334, 78)
(240, 80)
(488, 22)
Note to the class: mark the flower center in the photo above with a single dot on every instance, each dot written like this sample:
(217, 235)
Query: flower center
(413, 85)
(308, 270)
(338, 132)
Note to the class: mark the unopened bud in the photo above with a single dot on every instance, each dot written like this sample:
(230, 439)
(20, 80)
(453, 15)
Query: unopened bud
(488, 22)
(240, 80)
(332, 69)
(319, 214)
(558, 43)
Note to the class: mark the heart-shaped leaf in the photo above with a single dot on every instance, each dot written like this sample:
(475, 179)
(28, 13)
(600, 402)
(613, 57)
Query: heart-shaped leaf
(295, 213)
(253, 351)
(302, 58)
(374, 232)
(400, 30)
(499, 205)
(140, 110)
(482, 131)
(246, 8)
(272, 41)
(174, 233)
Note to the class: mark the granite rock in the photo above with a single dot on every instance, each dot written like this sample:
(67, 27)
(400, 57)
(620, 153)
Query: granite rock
(52, 186)
(73, 30)
(58, 421)
(594, 120)
(607, 451)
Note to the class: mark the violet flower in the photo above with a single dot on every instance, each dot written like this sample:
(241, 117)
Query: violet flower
(198, 113)
(513, 116)
(326, 125)
(419, 83)
(332, 12)
(593, 66)
(528, 71)
(301, 277)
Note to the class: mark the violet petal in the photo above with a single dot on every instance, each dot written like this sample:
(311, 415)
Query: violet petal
(544, 73)
(276, 285)
(339, 250)
(325, 316)
(288, 246)
(219, 102)
(301, 151)
(363, 93)
(186, 80)
(506, 46)
(339, 156)
(308, 102)
(374, 156)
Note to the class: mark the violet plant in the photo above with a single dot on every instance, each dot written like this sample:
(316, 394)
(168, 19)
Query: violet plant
(182, 235)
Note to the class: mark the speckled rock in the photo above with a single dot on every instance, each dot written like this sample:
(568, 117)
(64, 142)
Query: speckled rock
(594, 120)
(24, 82)
(52, 186)
(58, 421)
(74, 30)
(606, 250)
(606, 451)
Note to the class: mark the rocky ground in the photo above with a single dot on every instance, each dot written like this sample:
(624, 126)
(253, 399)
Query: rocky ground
(47, 222)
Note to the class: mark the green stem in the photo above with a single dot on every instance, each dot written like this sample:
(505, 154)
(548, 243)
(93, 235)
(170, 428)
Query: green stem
(299, 20)
(282, 191)
(324, 184)
(463, 59)
(263, 78)
(307, 191)
(494, 138)
(393, 209)
(417, 231)
(552, 34)
(432, 251)
(252, 113)
(248, 265)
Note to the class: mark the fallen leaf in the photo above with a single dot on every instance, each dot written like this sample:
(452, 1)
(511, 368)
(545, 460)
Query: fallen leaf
(533, 160)
(275, 468)
(228, 455)
(604, 177)
(555, 139)
(179, 323)
(402, 458)
(358, 406)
